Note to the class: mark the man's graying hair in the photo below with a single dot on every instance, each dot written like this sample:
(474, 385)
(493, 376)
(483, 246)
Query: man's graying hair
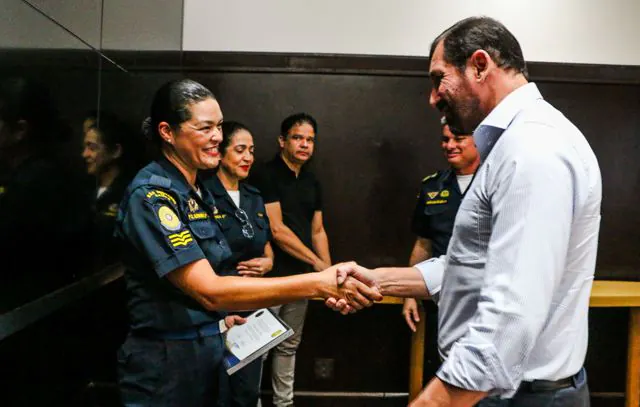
(465, 37)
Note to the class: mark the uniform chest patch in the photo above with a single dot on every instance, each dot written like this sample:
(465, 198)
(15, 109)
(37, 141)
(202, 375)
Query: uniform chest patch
(168, 218)
(193, 205)
(445, 193)
(432, 195)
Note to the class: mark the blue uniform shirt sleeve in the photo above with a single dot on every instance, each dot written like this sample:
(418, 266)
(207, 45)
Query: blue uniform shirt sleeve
(153, 224)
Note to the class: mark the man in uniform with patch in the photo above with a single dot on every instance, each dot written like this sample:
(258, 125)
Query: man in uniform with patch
(438, 201)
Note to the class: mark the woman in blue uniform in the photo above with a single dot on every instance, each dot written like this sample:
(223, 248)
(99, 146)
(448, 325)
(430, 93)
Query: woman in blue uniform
(172, 246)
(245, 226)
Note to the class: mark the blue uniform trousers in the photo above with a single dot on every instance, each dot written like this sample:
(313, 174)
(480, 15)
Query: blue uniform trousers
(160, 372)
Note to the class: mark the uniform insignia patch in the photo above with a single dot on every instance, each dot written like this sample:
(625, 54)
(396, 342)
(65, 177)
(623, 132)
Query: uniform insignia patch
(220, 216)
(444, 193)
(198, 216)
(437, 202)
(168, 218)
(193, 205)
(432, 195)
(181, 239)
(161, 194)
(260, 214)
(215, 210)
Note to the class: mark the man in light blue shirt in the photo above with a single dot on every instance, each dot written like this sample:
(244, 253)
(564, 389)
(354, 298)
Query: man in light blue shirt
(514, 287)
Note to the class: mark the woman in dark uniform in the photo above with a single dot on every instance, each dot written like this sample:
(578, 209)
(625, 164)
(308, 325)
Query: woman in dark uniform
(171, 246)
(107, 152)
(245, 226)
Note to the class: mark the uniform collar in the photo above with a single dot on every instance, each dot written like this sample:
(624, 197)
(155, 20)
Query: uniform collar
(219, 192)
(179, 182)
(502, 115)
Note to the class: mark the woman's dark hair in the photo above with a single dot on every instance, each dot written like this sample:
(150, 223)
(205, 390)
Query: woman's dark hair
(297, 119)
(465, 37)
(113, 131)
(171, 104)
(228, 130)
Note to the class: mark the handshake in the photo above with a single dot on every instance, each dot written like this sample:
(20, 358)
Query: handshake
(349, 287)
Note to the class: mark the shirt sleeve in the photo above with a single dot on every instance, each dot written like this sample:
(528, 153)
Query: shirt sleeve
(152, 224)
(318, 202)
(432, 271)
(263, 179)
(419, 221)
(531, 199)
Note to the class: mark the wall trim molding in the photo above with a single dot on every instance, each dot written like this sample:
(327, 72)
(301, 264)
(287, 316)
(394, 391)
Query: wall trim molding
(339, 64)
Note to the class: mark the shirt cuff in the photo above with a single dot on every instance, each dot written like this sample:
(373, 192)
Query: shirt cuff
(432, 271)
(477, 367)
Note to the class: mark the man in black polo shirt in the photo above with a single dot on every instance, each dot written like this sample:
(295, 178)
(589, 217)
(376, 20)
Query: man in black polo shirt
(293, 201)
(435, 212)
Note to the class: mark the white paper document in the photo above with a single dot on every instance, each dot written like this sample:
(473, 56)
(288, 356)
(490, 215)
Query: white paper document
(244, 343)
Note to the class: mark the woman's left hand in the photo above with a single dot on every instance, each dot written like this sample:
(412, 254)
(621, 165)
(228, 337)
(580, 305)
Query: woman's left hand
(256, 267)
(232, 320)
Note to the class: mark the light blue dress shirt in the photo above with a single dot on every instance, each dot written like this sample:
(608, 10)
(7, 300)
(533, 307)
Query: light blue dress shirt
(514, 286)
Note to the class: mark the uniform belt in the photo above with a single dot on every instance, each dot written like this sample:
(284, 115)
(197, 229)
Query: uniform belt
(537, 386)
(195, 332)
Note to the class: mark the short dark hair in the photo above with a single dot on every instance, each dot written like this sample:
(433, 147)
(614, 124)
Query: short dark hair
(171, 104)
(295, 120)
(230, 128)
(465, 37)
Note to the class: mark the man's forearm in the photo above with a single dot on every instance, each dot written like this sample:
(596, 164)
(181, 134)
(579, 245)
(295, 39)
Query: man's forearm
(320, 243)
(293, 246)
(401, 282)
(440, 394)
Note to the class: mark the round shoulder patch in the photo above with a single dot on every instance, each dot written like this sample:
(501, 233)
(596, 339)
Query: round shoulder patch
(168, 218)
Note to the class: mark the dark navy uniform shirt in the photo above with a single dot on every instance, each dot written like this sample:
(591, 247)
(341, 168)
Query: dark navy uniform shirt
(300, 197)
(232, 223)
(436, 209)
(165, 225)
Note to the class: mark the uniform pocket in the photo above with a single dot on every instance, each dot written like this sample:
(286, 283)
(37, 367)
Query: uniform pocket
(261, 222)
(431, 210)
(211, 241)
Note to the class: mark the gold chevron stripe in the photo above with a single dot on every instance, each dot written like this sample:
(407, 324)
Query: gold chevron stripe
(183, 243)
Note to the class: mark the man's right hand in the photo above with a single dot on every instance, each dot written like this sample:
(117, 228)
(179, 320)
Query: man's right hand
(344, 273)
(411, 313)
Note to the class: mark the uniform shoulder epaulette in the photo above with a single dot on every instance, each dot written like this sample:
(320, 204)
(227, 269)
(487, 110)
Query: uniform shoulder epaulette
(252, 189)
(428, 177)
(158, 181)
(157, 188)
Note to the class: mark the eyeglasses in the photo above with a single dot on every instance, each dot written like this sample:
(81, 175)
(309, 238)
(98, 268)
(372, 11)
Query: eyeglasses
(247, 228)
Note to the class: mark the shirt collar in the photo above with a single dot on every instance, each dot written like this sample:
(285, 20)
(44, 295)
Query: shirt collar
(283, 165)
(215, 186)
(502, 115)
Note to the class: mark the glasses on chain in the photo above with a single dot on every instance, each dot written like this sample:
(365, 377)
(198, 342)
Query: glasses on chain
(247, 228)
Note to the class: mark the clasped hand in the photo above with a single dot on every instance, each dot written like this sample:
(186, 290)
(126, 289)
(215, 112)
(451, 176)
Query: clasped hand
(355, 288)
